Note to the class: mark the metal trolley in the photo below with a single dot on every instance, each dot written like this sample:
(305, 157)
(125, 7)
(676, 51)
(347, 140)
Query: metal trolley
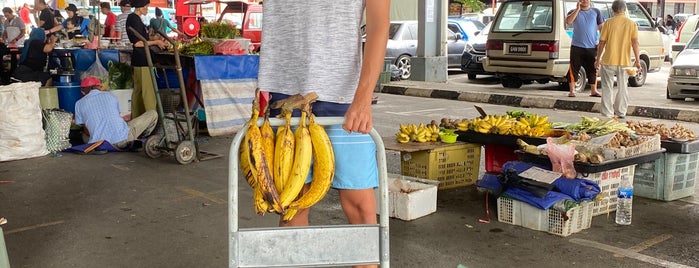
(312, 246)
(182, 143)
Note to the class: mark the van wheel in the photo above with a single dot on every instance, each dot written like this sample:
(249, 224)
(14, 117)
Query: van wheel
(543, 81)
(581, 83)
(403, 64)
(471, 76)
(511, 82)
(640, 78)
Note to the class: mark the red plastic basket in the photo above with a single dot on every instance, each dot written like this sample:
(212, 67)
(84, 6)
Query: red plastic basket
(496, 155)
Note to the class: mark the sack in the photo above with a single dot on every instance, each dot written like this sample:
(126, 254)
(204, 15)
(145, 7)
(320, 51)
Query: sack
(97, 70)
(21, 131)
(562, 157)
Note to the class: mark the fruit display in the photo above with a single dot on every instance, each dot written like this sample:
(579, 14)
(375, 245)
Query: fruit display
(677, 132)
(514, 122)
(276, 167)
(417, 133)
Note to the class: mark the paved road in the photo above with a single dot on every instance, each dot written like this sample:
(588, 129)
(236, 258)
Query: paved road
(125, 210)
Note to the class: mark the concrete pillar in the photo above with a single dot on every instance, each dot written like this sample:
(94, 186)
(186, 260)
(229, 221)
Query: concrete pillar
(430, 64)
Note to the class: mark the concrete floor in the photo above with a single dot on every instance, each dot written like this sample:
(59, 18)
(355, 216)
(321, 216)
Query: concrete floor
(126, 210)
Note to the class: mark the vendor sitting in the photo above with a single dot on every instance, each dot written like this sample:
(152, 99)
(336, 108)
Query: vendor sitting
(98, 111)
(32, 62)
(75, 24)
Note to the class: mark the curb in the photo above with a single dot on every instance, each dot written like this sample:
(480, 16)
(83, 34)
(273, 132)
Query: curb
(540, 102)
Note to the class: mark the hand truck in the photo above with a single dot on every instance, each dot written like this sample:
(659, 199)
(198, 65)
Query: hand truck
(312, 246)
(185, 147)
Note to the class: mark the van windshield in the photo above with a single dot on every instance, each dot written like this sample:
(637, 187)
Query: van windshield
(524, 16)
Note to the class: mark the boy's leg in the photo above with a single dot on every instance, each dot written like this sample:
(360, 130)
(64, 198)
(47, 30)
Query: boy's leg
(359, 205)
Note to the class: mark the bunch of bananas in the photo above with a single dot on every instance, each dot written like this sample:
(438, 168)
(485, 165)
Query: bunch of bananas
(494, 124)
(532, 126)
(417, 133)
(276, 167)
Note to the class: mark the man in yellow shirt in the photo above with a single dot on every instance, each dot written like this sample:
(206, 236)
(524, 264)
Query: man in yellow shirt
(619, 35)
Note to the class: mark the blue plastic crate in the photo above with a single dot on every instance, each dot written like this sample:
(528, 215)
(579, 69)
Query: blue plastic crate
(671, 177)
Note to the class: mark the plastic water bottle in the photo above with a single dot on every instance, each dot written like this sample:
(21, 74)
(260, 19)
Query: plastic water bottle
(624, 201)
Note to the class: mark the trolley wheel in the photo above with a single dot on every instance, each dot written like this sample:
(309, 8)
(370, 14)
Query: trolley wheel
(151, 146)
(185, 152)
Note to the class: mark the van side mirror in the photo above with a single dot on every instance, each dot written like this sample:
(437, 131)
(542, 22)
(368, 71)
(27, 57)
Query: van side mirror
(458, 36)
(477, 33)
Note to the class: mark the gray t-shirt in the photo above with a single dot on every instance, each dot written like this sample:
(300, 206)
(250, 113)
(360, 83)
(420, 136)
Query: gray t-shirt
(14, 27)
(312, 46)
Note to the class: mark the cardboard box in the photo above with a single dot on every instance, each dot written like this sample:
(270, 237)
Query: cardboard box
(409, 198)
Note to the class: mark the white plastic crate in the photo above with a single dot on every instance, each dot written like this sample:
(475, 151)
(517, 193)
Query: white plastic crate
(671, 177)
(516, 212)
(608, 182)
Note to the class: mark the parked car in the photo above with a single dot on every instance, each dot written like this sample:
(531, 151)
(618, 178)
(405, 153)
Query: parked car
(529, 41)
(402, 46)
(466, 26)
(474, 52)
(684, 32)
(683, 81)
(668, 39)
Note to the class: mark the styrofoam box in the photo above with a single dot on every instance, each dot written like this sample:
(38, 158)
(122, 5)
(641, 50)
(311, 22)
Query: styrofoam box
(519, 213)
(409, 198)
(124, 97)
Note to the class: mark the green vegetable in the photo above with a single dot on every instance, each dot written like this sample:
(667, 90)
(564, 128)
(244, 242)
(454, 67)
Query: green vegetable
(200, 48)
(218, 30)
(120, 75)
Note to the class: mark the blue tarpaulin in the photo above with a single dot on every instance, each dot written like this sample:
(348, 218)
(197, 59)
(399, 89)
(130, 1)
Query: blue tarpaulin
(578, 189)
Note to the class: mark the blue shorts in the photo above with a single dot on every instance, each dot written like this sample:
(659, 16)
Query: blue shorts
(355, 153)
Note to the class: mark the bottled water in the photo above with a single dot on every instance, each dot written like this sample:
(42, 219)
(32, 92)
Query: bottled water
(624, 201)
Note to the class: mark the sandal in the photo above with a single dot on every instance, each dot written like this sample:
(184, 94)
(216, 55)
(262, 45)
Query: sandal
(571, 94)
(595, 95)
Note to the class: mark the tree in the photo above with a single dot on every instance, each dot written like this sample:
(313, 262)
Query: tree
(476, 6)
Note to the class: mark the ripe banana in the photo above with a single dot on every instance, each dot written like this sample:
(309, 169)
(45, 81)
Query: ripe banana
(283, 153)
(302, 163)
(323, 167)
(258, 160)
(250, 173)
(268, 140)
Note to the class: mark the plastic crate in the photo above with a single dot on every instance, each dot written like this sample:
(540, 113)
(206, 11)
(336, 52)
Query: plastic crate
(496, 155)
(453, 166)
(608, 182)
(671, 177)
(552, 221)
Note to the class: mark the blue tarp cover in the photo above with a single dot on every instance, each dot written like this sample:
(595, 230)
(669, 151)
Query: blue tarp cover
(226, 67)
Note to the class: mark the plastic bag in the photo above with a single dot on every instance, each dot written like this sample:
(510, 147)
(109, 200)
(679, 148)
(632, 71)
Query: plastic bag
(562, 157)
(97, 70)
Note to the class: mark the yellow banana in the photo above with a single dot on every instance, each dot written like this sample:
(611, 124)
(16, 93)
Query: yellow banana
(302, 163)
(258, 160)
(268, 140)
(250, 173)
(289, 214)
(283, 153)
(323, 167)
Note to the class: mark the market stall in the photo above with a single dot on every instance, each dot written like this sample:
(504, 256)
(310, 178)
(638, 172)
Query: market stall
(530, 162)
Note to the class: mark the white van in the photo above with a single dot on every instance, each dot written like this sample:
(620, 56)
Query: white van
(530, 41)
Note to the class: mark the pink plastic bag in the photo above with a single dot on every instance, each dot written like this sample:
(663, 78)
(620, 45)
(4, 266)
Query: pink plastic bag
(562, 157)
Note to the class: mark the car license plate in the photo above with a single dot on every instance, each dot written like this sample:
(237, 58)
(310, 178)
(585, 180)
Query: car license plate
(518, 49)
(479, 58)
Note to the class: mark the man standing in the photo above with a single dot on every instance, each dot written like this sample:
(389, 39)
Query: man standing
(24, 14)
(619, 35)
(120, 28)
(47, 20)
(110, 21)
(14, 28)
(586, 21)
(99, 111)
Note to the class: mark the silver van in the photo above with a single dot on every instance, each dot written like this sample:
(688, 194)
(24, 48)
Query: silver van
(530, 41)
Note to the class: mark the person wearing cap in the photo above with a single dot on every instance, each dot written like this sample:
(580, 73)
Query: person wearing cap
(120, 28)
(75, 24)
(98, 111)
(143, 96)
(161, 24)
(14, 27)
(110, 21)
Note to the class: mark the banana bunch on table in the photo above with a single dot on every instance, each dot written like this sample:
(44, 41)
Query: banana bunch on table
(417, 133)
(276, 166)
